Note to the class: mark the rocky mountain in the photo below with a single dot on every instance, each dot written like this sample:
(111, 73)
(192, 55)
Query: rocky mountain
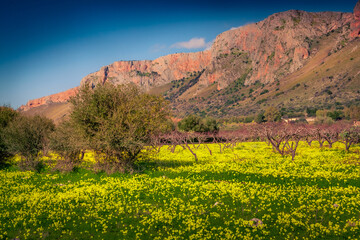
(251, 67)
(54, 98)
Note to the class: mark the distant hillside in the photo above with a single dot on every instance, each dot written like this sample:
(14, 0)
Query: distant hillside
(291, 60)
(55, 111)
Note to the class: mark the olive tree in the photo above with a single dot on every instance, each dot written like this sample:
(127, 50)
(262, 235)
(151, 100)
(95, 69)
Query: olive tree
(27, 137)
(7, 114)
(118, 121)
(67, 142)
(272, 114)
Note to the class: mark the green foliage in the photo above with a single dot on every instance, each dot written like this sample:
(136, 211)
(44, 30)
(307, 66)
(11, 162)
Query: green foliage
(315, 197)
(271, 56)
(350, 136)
(328, 91)
(118, 120)
(261, 101)
(296, 86)
(336, 115)
(279, 93)
(264, 91)
(311, 112)
(248, 119)
(260, 118)
(7, 114)
(27, 137)
(321, 113)
(237, 84)
(328, 116)
(197, 124)
(296, 20)
(322, 117)
(282, 27)
(353, 113)
(67, 142)
(272, 114)
(146, 74)
(178, 87)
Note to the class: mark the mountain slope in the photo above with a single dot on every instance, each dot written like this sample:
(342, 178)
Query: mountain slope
(289, 60)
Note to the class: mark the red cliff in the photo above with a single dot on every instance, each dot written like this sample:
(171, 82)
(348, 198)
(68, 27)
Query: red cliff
(277, 46)
(150, 73)
(355, 25)
(58, 97)
(263, 52)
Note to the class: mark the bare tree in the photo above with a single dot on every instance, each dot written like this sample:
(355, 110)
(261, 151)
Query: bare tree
(331, 133)
(284, 138)
(295, 134)
(203, 139)
(309, 134)
(350, 135)
(318, 134)
(274, 133)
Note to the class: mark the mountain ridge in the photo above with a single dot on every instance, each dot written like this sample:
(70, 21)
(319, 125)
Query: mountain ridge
(262, 53)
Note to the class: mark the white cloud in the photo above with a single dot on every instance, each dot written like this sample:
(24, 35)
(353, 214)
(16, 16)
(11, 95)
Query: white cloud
(192, 43)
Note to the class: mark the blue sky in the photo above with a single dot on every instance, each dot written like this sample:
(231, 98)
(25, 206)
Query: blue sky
(47, 46)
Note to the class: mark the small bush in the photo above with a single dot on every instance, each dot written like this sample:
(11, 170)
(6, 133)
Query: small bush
(7, 114)
(261, 101)
(272, 114)
(198, 124)
(264, 91)
(28, 137)
(259, 118)
(67, 142)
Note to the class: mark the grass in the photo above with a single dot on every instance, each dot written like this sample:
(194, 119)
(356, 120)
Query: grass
(315, 196)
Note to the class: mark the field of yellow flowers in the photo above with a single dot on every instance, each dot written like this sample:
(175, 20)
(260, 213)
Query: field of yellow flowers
(248, 192)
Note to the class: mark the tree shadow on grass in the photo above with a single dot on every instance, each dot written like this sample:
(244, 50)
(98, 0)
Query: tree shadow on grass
(4, 166)
(234, 176)
(156, 164)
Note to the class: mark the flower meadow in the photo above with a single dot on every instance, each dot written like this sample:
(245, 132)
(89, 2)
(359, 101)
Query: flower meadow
(248, 192)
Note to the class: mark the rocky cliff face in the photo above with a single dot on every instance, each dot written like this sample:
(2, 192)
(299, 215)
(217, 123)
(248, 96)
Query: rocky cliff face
(266, 51)
(55, 98)
(355, 25)
(277, 46)
(263, 52)
(149, 73)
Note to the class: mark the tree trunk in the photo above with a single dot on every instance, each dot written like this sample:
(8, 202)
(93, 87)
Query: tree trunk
(196, 159)
(208, 149)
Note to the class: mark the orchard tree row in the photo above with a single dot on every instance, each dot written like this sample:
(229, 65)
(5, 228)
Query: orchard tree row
(117, 123)
(282, 137)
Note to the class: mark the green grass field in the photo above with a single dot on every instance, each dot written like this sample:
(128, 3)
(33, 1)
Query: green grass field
(317, 196)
